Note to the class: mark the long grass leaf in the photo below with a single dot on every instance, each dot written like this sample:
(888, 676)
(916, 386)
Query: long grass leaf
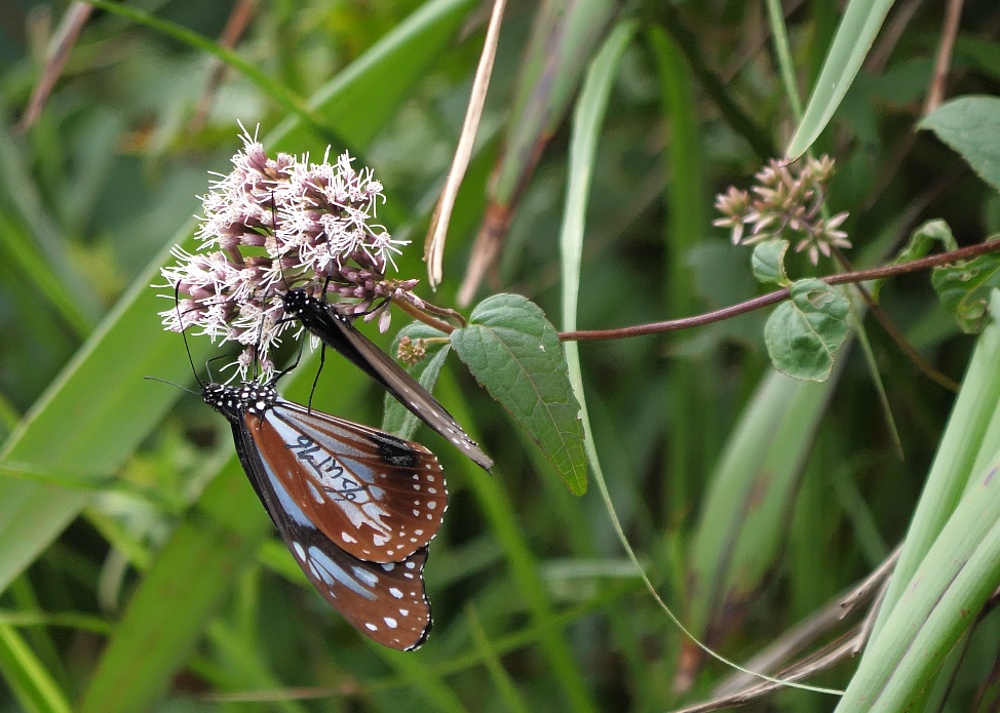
(33, 686)
(859, 25)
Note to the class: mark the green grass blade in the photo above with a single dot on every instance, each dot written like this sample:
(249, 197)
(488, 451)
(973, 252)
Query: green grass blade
(503, 519)
(691, 386)
(394, 64)
(587, 120)
(742, 526)
(33, 686)
(972, 428)
(937, 607)
(501, 679)
(88, 421)
(858, 27)
(166, 616)
(19, 250)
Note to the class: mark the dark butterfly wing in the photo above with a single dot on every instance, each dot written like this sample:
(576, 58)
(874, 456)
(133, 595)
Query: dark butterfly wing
(378, 497)
(337, 332)
(385, 602)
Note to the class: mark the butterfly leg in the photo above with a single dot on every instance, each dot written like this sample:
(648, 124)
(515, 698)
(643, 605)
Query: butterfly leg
(322, 361)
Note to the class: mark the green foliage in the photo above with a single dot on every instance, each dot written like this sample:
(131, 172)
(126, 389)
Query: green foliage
(769, 262)
(964, 289)
(139, 570)
(970, 126)
(804, 333)
(514, 353)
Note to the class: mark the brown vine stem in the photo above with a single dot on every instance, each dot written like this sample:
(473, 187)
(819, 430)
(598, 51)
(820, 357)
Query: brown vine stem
(674, 325)
(894, 333)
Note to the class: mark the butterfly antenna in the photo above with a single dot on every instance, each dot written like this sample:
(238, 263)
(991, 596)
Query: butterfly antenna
(180, 323)
(170, 383)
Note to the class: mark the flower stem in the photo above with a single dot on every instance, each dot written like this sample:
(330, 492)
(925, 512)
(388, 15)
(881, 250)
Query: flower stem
(419, 314)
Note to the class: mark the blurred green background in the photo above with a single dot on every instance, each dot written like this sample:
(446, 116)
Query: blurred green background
(140, 572)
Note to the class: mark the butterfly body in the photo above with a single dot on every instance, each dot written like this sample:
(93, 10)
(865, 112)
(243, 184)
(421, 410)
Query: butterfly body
(355, 506)
(337, 332)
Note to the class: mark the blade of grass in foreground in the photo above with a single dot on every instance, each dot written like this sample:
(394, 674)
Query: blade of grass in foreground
(937, 608)
(968, 433)
(526, 571)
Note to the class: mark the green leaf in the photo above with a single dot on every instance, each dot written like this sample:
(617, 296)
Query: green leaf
(397, 418)
(964, 289)
(769, 262)
(970, 126)
(803, 334)
(514, 352)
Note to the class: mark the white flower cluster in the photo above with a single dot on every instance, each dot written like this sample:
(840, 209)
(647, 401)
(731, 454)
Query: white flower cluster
(271, 225)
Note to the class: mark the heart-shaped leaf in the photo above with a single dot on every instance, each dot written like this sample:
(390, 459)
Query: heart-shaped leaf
(803, 333)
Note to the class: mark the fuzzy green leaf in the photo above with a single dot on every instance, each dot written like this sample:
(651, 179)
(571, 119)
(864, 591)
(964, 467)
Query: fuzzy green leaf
(769, 262)
(803, 334)
(514, 352)
(970, 126)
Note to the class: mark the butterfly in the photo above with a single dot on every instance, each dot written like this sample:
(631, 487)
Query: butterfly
(337, 332)
(355, 506)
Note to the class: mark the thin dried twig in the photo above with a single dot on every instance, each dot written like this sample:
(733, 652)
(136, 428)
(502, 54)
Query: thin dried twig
(437, 233)
(59, 49)
(237, 23)
(942, 61)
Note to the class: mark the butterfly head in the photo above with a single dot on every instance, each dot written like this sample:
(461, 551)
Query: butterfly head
(298, 302)
(235, 401)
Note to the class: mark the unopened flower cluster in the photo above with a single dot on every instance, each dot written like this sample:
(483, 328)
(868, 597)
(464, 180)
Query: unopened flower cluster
(272, 225)
(786, 204)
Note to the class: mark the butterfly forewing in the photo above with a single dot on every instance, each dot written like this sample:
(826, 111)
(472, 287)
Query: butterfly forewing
(337, 332)
(378, 497)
